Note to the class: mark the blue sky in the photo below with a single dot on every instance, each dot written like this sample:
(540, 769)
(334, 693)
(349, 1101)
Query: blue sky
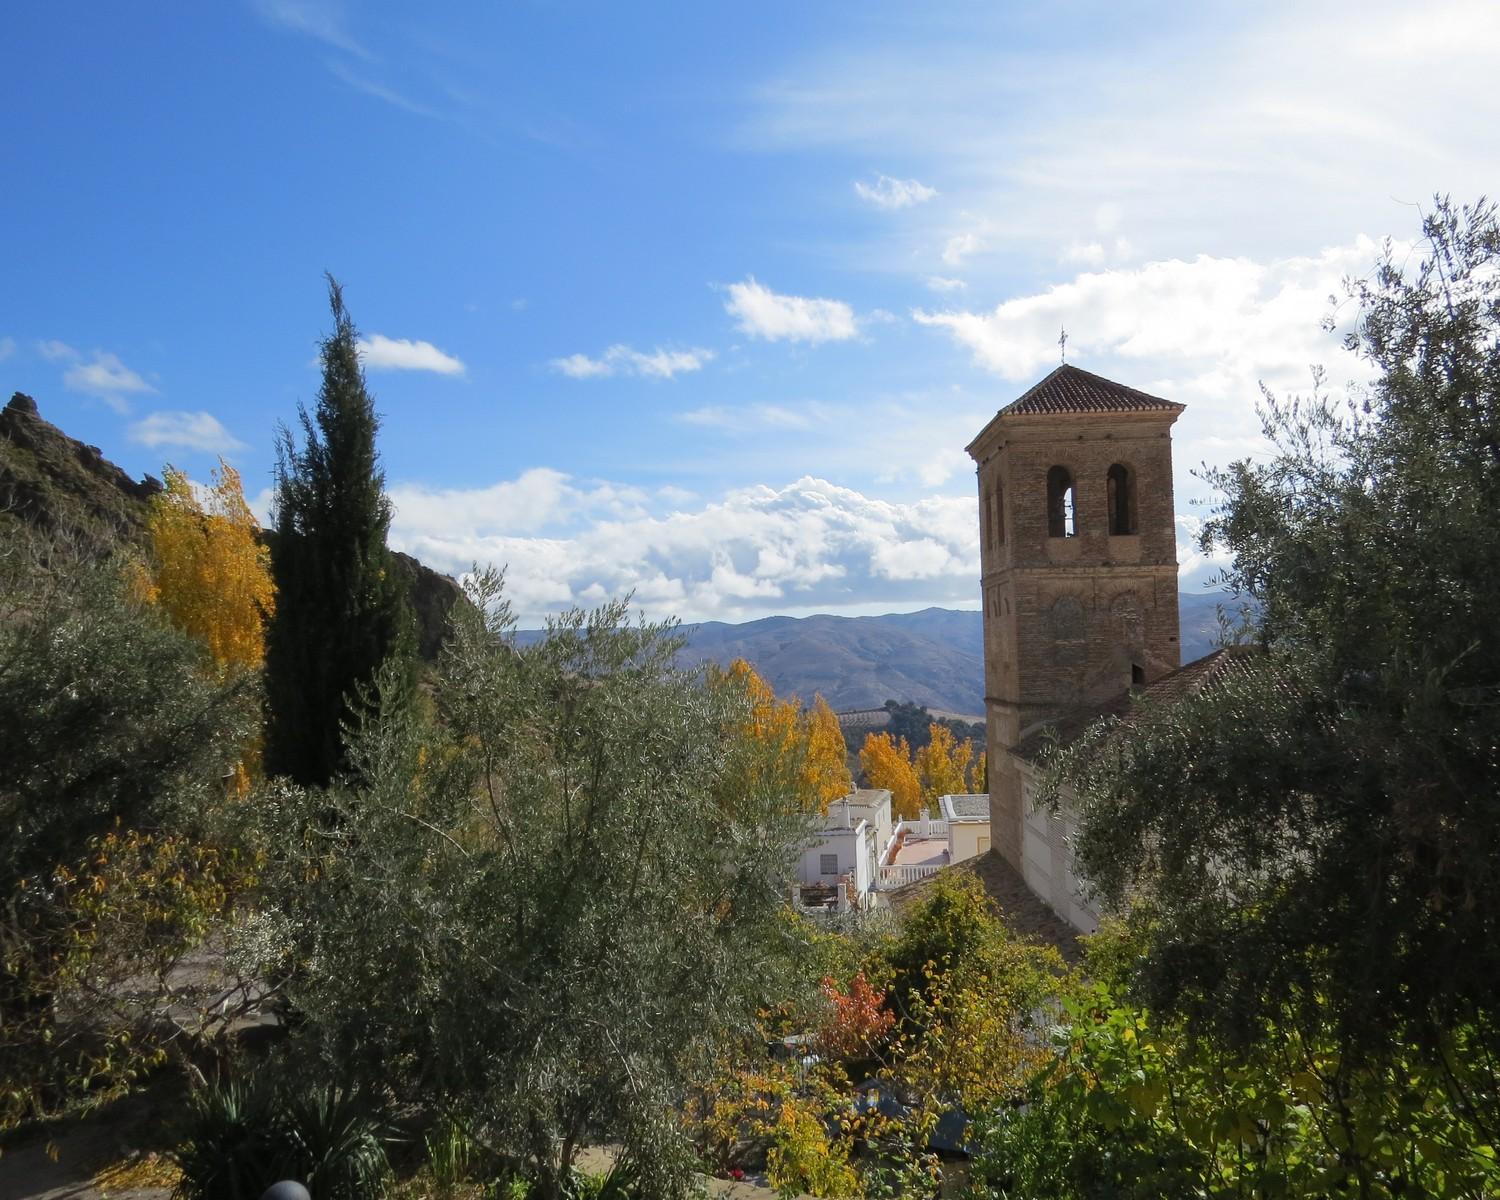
(703, 301)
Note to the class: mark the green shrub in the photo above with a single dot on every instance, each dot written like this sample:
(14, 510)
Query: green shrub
(241, 1138)
(450, 1156)
(618, 1183)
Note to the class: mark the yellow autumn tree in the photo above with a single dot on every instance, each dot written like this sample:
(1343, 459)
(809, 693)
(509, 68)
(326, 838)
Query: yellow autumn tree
(825, 766)
(886, 763)
(808, 747)
(979, 775)
(942, 765)
(209, 572)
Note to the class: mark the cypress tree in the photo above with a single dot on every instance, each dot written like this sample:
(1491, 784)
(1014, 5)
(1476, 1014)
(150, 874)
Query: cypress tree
(341, 612)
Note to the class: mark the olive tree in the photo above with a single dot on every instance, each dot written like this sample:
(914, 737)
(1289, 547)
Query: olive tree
(539, 912)
(116, 734)
(1312, 841)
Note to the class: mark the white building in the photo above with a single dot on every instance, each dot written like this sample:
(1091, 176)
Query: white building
(968, 819)
(840, 866)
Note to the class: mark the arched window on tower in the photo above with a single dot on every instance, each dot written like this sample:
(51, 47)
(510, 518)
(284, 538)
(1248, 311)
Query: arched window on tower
(1121, 486)
(984, 517)
(997, 515)
(1060, 503)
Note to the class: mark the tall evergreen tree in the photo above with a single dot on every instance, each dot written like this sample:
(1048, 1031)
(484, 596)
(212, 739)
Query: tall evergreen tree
(340, 610)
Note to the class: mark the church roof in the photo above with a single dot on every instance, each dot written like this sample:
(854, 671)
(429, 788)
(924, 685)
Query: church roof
(1187, 680)
(1069, 389)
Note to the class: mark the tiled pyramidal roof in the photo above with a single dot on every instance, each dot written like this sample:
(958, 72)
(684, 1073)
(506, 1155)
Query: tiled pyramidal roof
(1071, 390)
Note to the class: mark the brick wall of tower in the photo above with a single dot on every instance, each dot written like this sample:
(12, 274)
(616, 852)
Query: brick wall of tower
(1066, 620)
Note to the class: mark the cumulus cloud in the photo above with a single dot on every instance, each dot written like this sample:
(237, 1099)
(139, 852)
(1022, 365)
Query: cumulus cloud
(104, 376)
(1097, 253)
(624, 360)
(1207, 332)
(381, 353)
(890, 193)
(810, 545)
(762, 313)
(187, 430)
(1196, 570)
(1211, 310)
(941, 283)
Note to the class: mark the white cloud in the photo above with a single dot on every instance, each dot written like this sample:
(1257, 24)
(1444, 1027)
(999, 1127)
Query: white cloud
(1207, 332)
(1194, 568)
(1207, 309)
(188, 430)
(320, 19)
(890, 193)
(7, 348)
(55, 351)
(941, 283)
(623, 360)
(381, 353)
(1274, 134)
(752, 417)
(373, 87)
(763, 313)
(106, 377)
(810, 545)
(960, 246)
(1097, 253)
(673, 494)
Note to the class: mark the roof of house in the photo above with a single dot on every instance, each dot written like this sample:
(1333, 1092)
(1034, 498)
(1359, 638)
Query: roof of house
(969, 805)
(1066, 729)
(1070, 389)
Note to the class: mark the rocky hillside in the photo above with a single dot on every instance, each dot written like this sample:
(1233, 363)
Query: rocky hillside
(64, 488)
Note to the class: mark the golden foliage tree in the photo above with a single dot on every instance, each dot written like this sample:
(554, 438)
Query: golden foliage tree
(942, 765)
(825, 769)
(886, 762)
(209, 571)
(807, 745)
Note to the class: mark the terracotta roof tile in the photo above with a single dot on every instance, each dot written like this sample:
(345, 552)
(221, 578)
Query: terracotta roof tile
(1071, 390)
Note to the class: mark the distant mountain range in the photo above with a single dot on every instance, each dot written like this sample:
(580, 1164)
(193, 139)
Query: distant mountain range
(932, 657)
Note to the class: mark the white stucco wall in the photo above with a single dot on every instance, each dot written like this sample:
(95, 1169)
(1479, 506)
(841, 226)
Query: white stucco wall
(1047, 859)
(967, 839)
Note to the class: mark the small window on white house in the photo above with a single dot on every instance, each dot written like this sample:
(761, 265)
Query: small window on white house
(828, 864)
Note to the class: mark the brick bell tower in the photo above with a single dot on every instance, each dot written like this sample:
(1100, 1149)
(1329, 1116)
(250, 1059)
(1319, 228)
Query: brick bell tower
(1078, 562)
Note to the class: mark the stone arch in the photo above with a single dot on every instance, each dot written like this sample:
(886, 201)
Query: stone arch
(1062, 503)
(1120, 489)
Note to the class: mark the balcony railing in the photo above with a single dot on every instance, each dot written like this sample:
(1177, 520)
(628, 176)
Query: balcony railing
(898, 875)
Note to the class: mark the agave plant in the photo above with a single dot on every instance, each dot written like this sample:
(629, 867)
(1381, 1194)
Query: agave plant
(340, 1142)
(236, 1145)
(241, 1138)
